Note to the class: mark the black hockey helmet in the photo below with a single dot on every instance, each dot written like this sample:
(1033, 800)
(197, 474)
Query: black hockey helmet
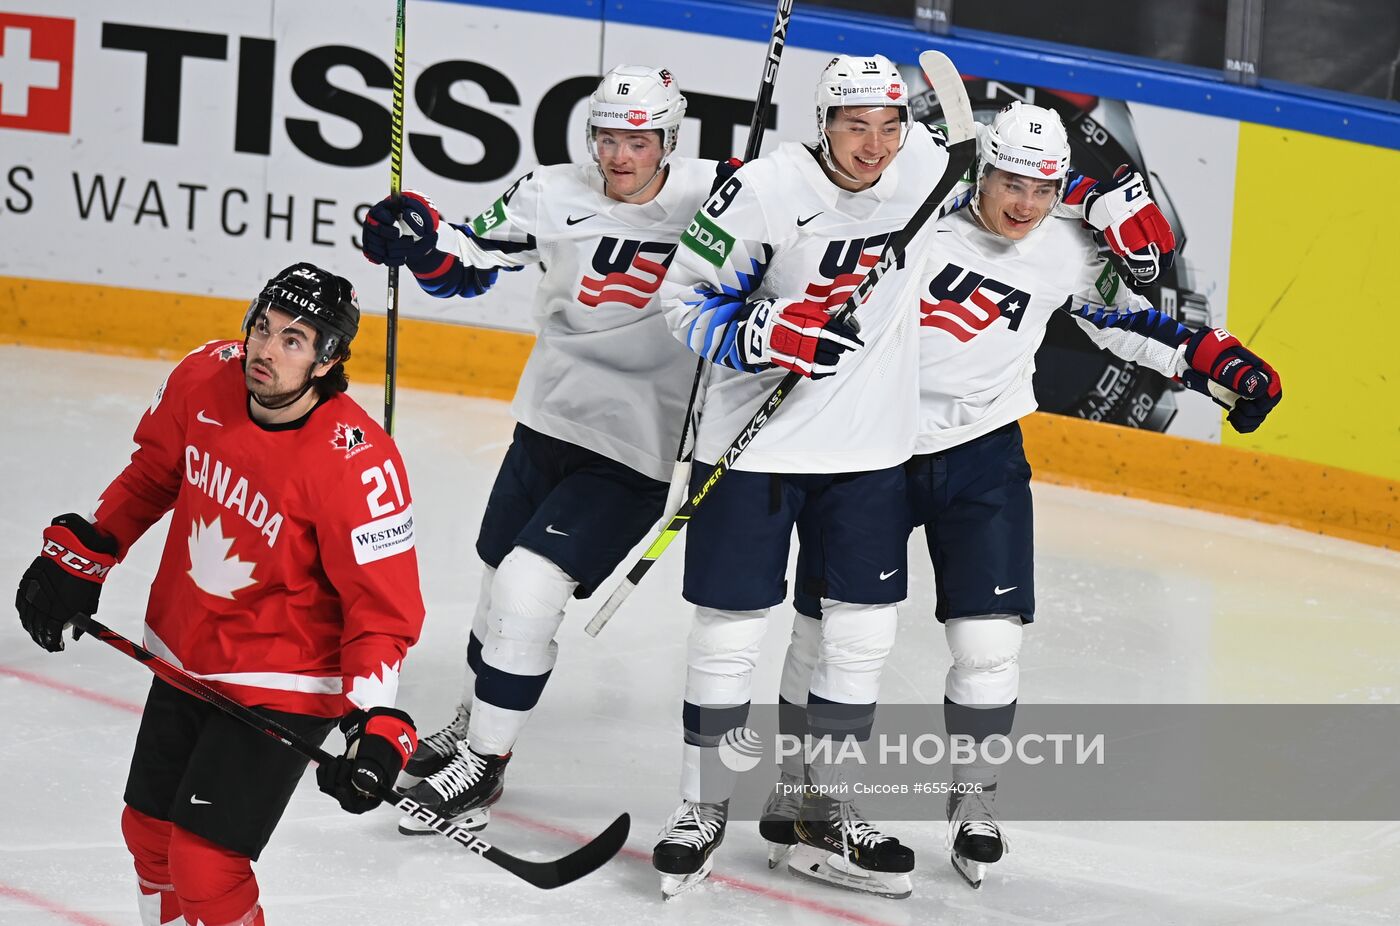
(324, 300)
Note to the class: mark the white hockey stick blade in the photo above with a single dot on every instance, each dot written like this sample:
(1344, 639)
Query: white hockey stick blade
(943, 77)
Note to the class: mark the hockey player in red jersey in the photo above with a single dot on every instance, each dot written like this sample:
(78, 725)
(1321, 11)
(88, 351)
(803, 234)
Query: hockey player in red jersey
(288, 581)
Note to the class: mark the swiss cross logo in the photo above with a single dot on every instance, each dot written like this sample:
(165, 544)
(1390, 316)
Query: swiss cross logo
(638, 116)
(36, 73)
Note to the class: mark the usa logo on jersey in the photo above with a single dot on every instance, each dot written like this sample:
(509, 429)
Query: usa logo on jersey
(965, 303)
(628, 272)
(843, 266)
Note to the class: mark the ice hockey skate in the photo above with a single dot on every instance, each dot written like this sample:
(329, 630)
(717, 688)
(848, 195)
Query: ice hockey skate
(838, 846)
(685, 854)
(974, 836)
(776, 823)
(435, 750)
(462, 791)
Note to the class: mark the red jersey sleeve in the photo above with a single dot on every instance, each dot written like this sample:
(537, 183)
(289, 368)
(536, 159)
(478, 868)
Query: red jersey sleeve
(146, 489)
(365, 532)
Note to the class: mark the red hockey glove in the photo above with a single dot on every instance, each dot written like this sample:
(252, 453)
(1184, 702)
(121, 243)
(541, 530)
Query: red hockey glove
(377, 744)
(65, 579)
(1132, 224)
(800, 336)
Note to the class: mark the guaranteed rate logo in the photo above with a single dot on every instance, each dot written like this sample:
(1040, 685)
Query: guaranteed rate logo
(36, 73)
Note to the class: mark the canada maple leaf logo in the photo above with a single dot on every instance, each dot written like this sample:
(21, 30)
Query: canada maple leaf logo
(373, 690)
(350, 438)
(230, 352)
(211, 566)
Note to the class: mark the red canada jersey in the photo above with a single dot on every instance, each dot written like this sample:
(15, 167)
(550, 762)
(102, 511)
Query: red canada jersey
(289, 578)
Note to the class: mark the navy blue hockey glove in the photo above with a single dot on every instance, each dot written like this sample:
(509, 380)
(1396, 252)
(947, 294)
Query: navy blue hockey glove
(65, 579)
(1214, 355)
(377, 744)
(385, 242)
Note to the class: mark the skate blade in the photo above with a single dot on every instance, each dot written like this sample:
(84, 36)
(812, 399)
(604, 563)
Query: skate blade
(778, 853)
(473, 821)
(672, 885)
(828, 868)
(972, 872)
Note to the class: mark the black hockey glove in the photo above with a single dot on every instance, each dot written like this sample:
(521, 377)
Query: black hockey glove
(65, 579)
(377, 744)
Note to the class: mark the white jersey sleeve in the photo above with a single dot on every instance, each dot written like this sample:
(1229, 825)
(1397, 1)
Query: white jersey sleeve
(505, 234)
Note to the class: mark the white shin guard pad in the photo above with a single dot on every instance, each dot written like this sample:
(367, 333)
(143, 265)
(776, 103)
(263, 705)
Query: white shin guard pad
(483, 604)
(721, 653)
(801, 658)
(855, 642)
(986, 668)
(528, 596)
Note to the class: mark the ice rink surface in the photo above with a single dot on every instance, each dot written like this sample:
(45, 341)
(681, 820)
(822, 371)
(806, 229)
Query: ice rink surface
(1138, 603)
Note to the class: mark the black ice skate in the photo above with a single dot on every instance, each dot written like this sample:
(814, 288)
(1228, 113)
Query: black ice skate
(684, 856)
(840, 847)
(777, 822)
(435, 751)
(462, 791)
(974, 836)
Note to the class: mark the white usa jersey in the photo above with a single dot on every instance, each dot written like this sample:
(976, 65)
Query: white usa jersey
(605, 372)
(984, 304)
(780, 229)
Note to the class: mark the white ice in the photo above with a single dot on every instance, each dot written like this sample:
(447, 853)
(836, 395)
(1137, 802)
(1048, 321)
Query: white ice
(1137, 603)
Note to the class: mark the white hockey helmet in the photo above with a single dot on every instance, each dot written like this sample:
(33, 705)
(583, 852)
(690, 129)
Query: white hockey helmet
(635, 98)
(872, 83)
(1027, 140)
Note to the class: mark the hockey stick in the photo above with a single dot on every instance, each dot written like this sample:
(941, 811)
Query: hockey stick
(391, 342)
(680, 474)
(544, 875)
(962, 144)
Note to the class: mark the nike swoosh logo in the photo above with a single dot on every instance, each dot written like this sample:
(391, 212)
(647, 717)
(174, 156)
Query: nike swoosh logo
(195, 800)
(886, 575)
(573, 221)
(207, 420)
(801, 222)
(549, 529)
(1002, 591)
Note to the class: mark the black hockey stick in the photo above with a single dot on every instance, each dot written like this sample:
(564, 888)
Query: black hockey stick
(962, 145)
(544, 875)
(680, 475)
(391, 336)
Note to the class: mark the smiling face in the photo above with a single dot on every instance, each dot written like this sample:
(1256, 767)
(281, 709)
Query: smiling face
(863, 144)
(629, 162)
(1012, 205)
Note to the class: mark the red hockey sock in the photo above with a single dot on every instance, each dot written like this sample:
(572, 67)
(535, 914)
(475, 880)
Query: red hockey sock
(148, 840)
(215, 885)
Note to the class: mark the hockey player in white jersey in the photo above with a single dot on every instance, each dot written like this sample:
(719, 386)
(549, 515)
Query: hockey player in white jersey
(995, 274)
(775, 250)
(599, 405)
